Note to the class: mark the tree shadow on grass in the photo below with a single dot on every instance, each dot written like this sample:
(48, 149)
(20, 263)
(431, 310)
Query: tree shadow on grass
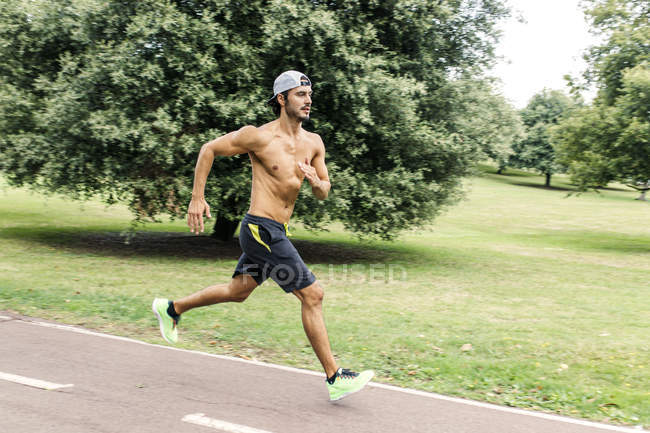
(178, 245)
(528, 180)
(570, 189)
(544, 187)
(535, 181)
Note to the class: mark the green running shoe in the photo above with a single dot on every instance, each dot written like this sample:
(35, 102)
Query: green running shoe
(347, 382)
(167, 322)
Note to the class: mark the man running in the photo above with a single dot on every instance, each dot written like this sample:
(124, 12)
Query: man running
(282, 155)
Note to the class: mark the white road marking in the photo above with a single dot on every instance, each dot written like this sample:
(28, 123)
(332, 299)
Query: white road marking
(425, 394)
(201, 419)
(36, 383)
(5, 318)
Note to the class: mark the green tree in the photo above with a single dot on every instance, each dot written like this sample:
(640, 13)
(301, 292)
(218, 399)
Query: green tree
(624, 27)
(610, 141)
(535, 150)
(604, 143)
(484, 118)
(114, 98)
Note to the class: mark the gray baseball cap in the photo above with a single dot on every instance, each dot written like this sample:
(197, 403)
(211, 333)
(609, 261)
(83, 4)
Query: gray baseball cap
(289, 80)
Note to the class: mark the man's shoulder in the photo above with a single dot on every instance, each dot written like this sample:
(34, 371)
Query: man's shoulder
(314, 138)
(254, 137)
(251, 131)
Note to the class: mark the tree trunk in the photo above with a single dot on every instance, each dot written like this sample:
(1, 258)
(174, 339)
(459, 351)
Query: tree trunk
(548, 180)
(224, 228)
(643, 187)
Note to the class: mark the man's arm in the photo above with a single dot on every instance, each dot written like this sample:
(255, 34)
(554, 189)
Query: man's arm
(316, 173)
(234, 143)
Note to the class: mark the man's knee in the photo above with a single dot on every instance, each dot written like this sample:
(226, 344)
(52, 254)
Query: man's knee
(311, 295)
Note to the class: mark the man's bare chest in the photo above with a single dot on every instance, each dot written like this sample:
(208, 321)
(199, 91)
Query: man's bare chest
(280, 157)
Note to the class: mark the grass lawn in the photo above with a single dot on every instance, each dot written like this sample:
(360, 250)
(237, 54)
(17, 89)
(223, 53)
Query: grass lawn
(552, 293)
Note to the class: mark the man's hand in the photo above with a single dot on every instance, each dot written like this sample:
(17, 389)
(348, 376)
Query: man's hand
(195, 211)
(310, 173)
(319, 187)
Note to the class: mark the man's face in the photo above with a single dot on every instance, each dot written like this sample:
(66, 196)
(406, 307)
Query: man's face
(298, 103)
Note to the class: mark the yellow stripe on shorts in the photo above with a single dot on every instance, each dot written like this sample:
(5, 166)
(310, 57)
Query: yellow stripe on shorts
(255, 230)
(286, 229)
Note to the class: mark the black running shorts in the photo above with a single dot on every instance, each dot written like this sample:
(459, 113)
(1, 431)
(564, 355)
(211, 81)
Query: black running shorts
(269, 253)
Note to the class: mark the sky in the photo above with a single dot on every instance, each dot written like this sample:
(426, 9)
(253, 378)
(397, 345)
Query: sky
(539, 52)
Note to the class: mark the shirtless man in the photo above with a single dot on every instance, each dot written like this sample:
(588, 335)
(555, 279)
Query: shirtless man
(282, 154)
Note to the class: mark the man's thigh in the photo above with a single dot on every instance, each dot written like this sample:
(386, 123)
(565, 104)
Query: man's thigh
(287, 268)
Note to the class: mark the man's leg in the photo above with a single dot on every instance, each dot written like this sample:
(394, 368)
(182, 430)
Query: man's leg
(237, 290)
(168, 312)
(340, 382)
(311, 298)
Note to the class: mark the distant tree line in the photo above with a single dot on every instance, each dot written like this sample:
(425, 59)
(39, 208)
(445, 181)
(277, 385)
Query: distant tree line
(608, 140)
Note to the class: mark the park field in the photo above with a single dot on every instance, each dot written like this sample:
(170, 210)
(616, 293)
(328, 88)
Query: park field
(519, 295)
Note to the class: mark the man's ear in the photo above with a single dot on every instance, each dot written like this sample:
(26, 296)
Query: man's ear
(281, 99)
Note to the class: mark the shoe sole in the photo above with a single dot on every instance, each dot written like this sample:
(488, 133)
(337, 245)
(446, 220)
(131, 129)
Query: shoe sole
(353, 392)
(160, 322)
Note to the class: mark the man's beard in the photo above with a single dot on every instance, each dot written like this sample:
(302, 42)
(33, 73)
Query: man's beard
(296, 114)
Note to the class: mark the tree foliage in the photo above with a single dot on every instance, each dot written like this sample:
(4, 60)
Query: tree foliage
(610, 141)
(483, 118)
(114, 98)
(603, 143)
(624, 27)
(535, 149)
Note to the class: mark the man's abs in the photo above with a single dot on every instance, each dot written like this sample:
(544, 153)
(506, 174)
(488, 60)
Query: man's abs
(273, 197)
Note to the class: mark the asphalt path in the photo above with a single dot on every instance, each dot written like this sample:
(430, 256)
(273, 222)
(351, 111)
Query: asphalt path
(114, 384)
